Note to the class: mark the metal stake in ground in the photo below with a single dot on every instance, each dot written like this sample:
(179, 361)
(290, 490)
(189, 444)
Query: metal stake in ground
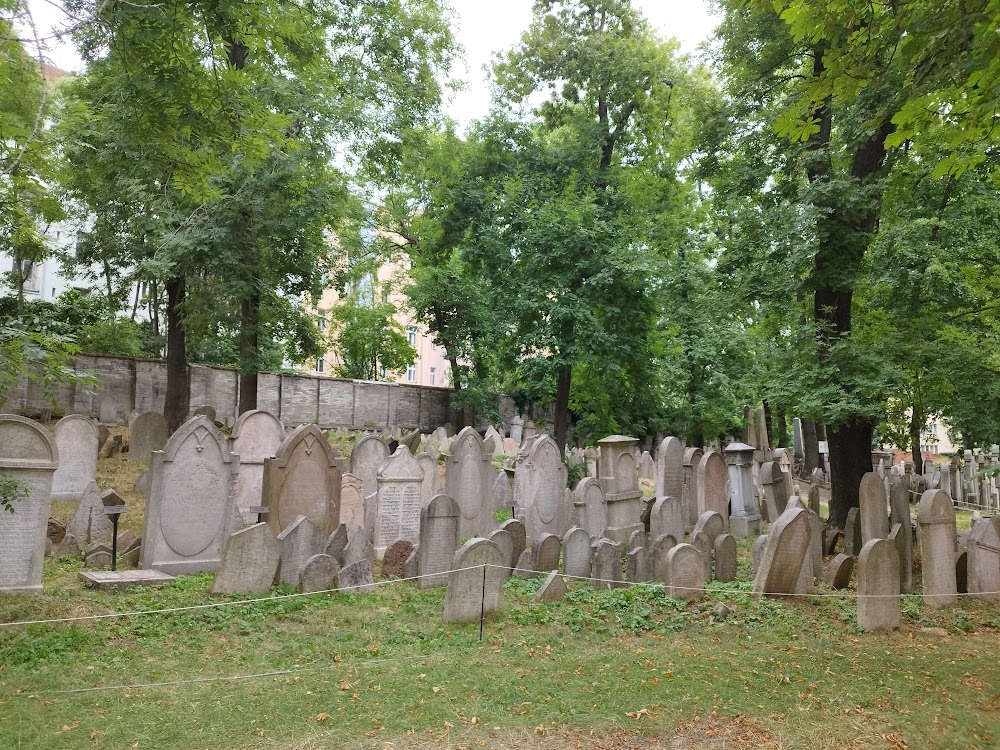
(114, 506)
(482, 606)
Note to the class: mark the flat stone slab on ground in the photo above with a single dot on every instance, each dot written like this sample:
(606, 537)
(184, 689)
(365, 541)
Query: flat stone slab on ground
(120, 579)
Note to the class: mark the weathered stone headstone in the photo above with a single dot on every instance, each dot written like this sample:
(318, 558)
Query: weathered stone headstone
(303, 479)
(501, 493)
(358, 548)
(899, 505)
(661, 546)
(352, 501)
(256, 436)
(76, 440)
(639, 565)
(431, 486)
(590, 510)
(617, 472)
(205, 411)
(553, 589)
(131, 553)
(545, 553)
(367, 457)
(646, 467)
(191, 510)
(505, 542)
(878, 586)
(936, 518)
(784, 554)
(983, 559)
(97, 557)
(249, 562)
(838, 575)
(702, 542)
(776, 490)
(438, 541)
(357, 577)
(545, 506)
(606, 564)
(300, 540)
(713, 492)
(577, 553)
(89, 524)
(395, 557)
(670, 469)
(667, 517)
(148, 433)
(872, 510)
(757, 553)
(318, 573)
(814, 500)
(468, 476)
(689, 497)
(725, 558)
(474, 582)
(711, 523)
(852, 533)
(685, 573)
(399, 501)
(515, 528)
(336, 543)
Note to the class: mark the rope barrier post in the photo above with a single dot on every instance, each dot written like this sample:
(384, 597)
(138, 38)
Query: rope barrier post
(482, 606)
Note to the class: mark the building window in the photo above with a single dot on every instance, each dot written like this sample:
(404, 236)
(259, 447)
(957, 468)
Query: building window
(411, 335)
(320, 364)
(433, 376)
(411, 374)
(321, 320)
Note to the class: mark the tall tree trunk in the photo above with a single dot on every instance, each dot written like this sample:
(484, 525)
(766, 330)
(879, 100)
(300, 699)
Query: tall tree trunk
(810, 446)
(561, 427)
(178, 397)
(249, 341)
(916, 423)
(781, 429)
(850, 460)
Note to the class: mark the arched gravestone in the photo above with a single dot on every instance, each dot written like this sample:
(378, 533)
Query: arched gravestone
(873, 504)
(398, 500)
(984, 558)
(784, 554)
(352, 502)
(713, 492)
(545, 500)
(474, 582)
(776, 492)
(468, 476)
(576, 553)
(256, 436)
(670, 468)
(76, 440)
(431, 486)
(685, 573)
(28, 455)
(438, 541)
(666, 517)
(689, 497)
(590, 509)
(147, 433)
(303, 479)
(190, 512)
(367, 457)
(878, 586)
(936, 518)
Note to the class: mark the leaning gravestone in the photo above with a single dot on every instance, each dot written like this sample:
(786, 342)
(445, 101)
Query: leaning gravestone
(784, 554)
(899, 506)
(517, 531)
(148, 433)
(713, 477)
(591, 511)
(983, 559)
(936, 518)
(838, 575)
(638, 566)
(358, 548)
(702, 542)
(336, 543)
(685, 573)
(190, 512)
(29, 457)
(438, 541)
(546, 511)
(667, 517)
(553, 589)
(878, 586)
(303, 478)
(711, 523)
(775, 487)
(249, 562)
(468, 476)
(89, 524)
(318, 573)
(431, 486)
(356, 577)
(76, 440)
(352, 502)
(300, 540)
(256, 436)
(576, 553)
(398, 502)
(606, 564)
(872, 510)
(367, 458)
(501, 493)
(852, 533)
(474, 582)
(670, 468)
(505, 542)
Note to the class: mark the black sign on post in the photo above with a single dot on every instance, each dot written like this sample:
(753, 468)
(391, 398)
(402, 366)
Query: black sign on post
(260, 510)
(114, 506)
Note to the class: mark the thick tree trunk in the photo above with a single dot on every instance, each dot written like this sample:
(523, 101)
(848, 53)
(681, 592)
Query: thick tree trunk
(810, 446)
(850, 460)
(178, 396)
(249, 326)
(560, 429)
(916, 423)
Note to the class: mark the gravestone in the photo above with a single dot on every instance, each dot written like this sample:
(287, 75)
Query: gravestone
(689, 497)
(300, 540)
(711, 523)
(399, 502)
(516, 428)
(249, 562)
(318, 573)
(757, 553)
(553, 589)
(336, 543)
(852, 533)
(395, 557)
(358, 548)
(725, 558)
(744, 519)
(352, 501)
(661, 546)
(256, 436)
(205, 411)
(191, 510)
(501, 493)
(936, 519)
(545, 553)
(685, 573)
(515, 528)
(474, 582)
(469, 480)
(713, 492)
(545, 509)
(784, 554)
(639, 565)
(899, 505)
(148, 433)
(814, 500)
(90, 525)
(878, 586)
(367, 457)
(667, 517)
(617, 473)
(838, 576)
(505, 542)
(576, 553)
(776, 491)
(606, 564)
(97, 557)
(303, 478)
(983, 559)
(636, 540)
(431, 486)
(701, 541)
(872, 510)
(590, 510)
(670, 469)
(438, 541)
(28, 456)
(646, 467)
(76, 440)
(357, 577)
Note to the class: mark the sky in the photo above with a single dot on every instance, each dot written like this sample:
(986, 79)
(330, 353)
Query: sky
(483, 27)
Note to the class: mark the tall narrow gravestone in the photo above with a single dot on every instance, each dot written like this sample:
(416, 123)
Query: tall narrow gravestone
(878, 586)
(689, 497)
(438, 541)
(784, 554)
(591, 512)
(191, 511)
(256, 436)
(398, 503)
(76, 441)
(468, 477)
(546, 510)
(984, 559)
(303, 479)
(670, 468)
(936, 517)
(874, 516)
(667, 517)
(29, 457)
(713, 491)
(367, 457)
(352, 501)
(776, 490)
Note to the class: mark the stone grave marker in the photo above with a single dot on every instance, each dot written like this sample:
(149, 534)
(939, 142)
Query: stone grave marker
(191, 510)
(685, 573)
(303, 478)
(249, 562)
(395, 557)
(776, 491)
(661, 546)
(300, 540)
(899, 504)
(711, 523)
(501, 494)
(646, 467)
(639, 565)
(399, 501)
(367, 457)
(205, 411)
(878, 586)
(431, 486)
(357, 577)
(468, 477)
(702, 542)
(545, 490)
(713, 492)
(97, 557)
(590, 510)
(318, 573)
(358, 548)
(725, 558)
(667, 517)
(814, 500)
(872, 511)
(606, 564)
(670, 469)
(148, 433)
(515, 527)
(505, 542)
(617, 473)
(577, 553)
(852, 533)
(336, 543)
(689, 497)
(553, 589)
(352, 501)
(838, 575)
(475, 581)
(256, 436)
(636, 540)
(76, 441)
(936, 519)
(784, 554)
(983, 559)
(89, 524)
(545, 553)
(438, 541)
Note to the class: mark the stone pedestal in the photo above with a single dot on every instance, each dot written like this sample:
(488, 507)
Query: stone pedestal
(744, 519)
(616, 470)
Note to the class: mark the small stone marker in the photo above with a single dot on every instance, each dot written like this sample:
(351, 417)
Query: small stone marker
(367, 457)
(356, 578)
(838, 575)
(725, 558)
(68, 549)
(784, 555)
(358, 548)
(638, 565)
(300, 540)
(936, 518)
(336, 543)
(606, 564)
(685, 573)
(553, 589)
(318, 573)
(130, 554)
(90, 525)
(711, 523)
(577, 553)
(249, 562)
(474, 582)
(120, 579)
(546, 553)
(395, 557)
(98, 557)
(878, 586)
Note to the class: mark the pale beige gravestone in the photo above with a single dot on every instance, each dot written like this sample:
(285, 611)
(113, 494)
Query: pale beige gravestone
(399, 501)
(670, 468)
(367, 457)
(606, 564)
(689, 497)
(667, 517)
(89, 524)
(984, 559)
(590, 510)
(725, 558)
(148, 433)
(249, 562)
(638, 565)
(191, 510)
(545, 509)
(438, 541)
(501, 493)
(300, 540)
(685, 573)
(468, 477)
(431, 486)
(899, 504)
(505, 542)
(617, 472)
(303, 479)
(838, 575)
(873, 508)
(776, 491)
(515, 528)
(878, 586)
(256, 436)
(358, 547)
(474, 582)
(936, 518)
(76, 440)
(553, 589)
(545, 553)
(701, 541)
(357, 577)
(711, 523)
(713, 492)
(784, 554)
(318, 573)
(352, 502)
(576, 553)
(28, 455)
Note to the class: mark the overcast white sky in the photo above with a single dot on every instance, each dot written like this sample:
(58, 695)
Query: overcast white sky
(482, 27)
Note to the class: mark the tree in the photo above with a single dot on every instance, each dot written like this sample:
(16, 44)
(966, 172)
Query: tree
(367, 338)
